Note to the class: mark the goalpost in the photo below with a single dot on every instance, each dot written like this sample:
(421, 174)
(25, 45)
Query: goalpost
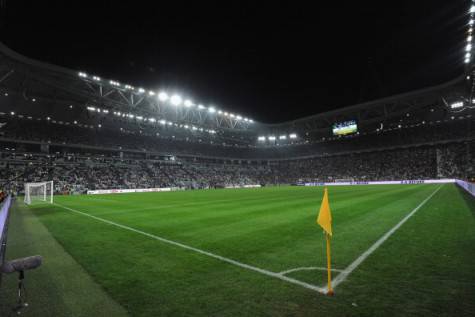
(42, 191)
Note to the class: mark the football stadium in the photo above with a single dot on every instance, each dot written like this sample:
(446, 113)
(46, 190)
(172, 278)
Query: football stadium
(120, 199)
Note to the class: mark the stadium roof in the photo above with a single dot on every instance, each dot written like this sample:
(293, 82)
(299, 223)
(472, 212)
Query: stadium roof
(32, 79)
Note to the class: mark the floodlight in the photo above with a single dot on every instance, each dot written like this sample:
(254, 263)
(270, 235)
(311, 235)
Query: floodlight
(293, 136)
(33, 99)
(96, 78)
(467, 60)
(162, 96)
(470, 22)
(91, 108)
(261, 138)
(170, 123)
(188, 103)
(139, 117)
(467, 55)
(194, 128)
(220, 112)
(251, 121)
(151, 93)
(272, 138)
(201, 106)
(163, 122)
(456, 105)
(238, 117)
(99, 125)
(176, 100)
(211, 110)
(468, 48)
(81, 74)
(75, 122)
(226, 114)
(469, 38)
(152, 119)
(472, 9)
(48, 118)
(141, 90)
(231, 115)
(283, 137)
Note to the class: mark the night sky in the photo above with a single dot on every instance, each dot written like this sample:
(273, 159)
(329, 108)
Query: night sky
(270, 62)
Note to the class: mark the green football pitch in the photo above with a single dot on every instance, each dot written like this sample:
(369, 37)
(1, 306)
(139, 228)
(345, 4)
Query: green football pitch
(396, 250)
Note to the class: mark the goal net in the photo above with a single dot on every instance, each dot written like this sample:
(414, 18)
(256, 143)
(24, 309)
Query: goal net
(39, 192)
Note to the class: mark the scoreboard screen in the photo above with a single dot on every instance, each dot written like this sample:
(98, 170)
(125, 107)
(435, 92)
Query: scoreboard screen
(344, 128)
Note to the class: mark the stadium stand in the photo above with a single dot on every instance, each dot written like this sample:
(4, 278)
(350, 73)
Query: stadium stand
(87, 133)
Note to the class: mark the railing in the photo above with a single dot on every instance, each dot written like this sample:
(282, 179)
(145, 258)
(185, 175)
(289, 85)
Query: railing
(4, 216)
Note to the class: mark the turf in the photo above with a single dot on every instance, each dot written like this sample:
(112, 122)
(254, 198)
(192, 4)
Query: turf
(425, 268)
(60, 287)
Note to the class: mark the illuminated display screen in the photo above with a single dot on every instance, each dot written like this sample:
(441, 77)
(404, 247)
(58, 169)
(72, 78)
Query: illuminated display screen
(344, 128)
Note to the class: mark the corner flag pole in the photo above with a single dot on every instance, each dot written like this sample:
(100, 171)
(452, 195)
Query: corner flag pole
(329, 264)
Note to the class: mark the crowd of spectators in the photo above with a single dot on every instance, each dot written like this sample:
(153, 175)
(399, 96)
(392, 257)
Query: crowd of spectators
(76, 173)
(92, 157)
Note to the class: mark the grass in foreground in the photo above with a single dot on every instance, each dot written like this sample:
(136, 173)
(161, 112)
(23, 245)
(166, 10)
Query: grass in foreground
(60, 287)
(425, 268)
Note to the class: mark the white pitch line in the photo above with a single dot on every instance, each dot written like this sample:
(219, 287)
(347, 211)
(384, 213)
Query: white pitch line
(308, 268)
(343, 275)
(215, 256)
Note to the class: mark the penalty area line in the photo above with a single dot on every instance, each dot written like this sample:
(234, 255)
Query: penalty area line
(346, 272)
(212, 255)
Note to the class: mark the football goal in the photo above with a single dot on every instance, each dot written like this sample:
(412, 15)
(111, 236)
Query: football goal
(42, 191)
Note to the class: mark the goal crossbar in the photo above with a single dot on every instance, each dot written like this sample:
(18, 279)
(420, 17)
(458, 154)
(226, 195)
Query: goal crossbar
(41, 191)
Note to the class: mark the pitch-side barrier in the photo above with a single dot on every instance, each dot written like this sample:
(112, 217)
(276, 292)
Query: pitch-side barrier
(469, 187)
(400, 182)
(131, 190)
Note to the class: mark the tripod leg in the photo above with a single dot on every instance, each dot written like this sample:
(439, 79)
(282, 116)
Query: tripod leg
(21, 289)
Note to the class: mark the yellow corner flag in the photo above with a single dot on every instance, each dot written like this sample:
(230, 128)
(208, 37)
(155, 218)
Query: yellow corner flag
(325, 221)
(325, 216)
